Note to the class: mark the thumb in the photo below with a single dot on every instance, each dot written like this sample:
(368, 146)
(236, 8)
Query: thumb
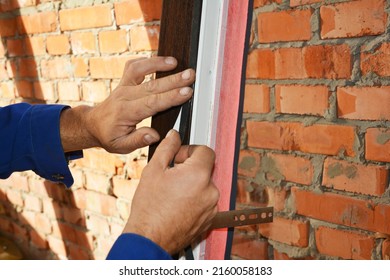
(167, 149)
(139, 138)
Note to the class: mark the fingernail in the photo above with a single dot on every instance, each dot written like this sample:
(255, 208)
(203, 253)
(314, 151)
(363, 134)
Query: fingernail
(186, 75)
(185, 91)
(170, 133)
(170, 61)
(149, 139)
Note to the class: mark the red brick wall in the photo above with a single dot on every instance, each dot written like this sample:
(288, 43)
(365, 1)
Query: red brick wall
(315, 136)
(316, 130)
(61, 52)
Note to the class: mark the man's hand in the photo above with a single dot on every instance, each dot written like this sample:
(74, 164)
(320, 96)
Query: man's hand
(174, 205)
(112, 124)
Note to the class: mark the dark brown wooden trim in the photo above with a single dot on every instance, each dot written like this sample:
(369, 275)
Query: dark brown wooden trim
(179, 37)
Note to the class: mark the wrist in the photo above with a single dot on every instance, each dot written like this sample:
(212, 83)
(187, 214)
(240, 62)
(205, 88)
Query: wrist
(74, 131)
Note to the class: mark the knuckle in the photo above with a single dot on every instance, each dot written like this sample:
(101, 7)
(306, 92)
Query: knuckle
(152, 102)
(151, 86)
(207, 152)
(175, 79)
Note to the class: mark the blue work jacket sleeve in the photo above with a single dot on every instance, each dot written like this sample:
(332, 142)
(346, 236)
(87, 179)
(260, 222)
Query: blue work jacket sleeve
(30, 140)
(130, 246)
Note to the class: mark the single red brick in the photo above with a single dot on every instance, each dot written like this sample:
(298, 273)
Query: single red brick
(377, 62)
(144, 38)
(378, 144)
(83, 42)
(94, 91)
(282, 26)
(290, 63)
(303, 100)
(248, 163)
(19, 182)
(7, 27)
(42, 223)
(249, 248)
(257, 99)
(330, 62)
(367, 103)
(32, 203)
(35, 45)
(322, 139)
(353, 19)
(57, 68)
(348, 211)
(15, 47)
(27, 68)
(97, 182)
(44, 91)
(24, 89)
(261, 64)
(101, 203)
(37, 23)
(86, 17)
(344, 244)
(15, 197)
(291, 232)
(293, 168)
(113, 41)
(358, 178)
(68, 91)
(80, 67)
(58, 44)
(132, 11)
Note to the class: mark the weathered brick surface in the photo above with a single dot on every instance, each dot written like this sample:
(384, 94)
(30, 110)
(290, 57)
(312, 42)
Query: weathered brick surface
(71, 53)
(315, 133)
(316, 114)
(344, 244)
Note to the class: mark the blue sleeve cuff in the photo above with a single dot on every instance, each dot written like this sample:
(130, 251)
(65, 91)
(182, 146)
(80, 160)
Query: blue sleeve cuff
(51, 162)
(130, 246)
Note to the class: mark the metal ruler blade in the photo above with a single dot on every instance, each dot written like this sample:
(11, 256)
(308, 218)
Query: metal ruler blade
(244, 217)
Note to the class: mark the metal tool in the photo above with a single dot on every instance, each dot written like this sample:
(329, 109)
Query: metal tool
(236, 218)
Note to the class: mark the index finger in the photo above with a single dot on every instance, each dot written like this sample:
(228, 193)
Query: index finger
(136, 70)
